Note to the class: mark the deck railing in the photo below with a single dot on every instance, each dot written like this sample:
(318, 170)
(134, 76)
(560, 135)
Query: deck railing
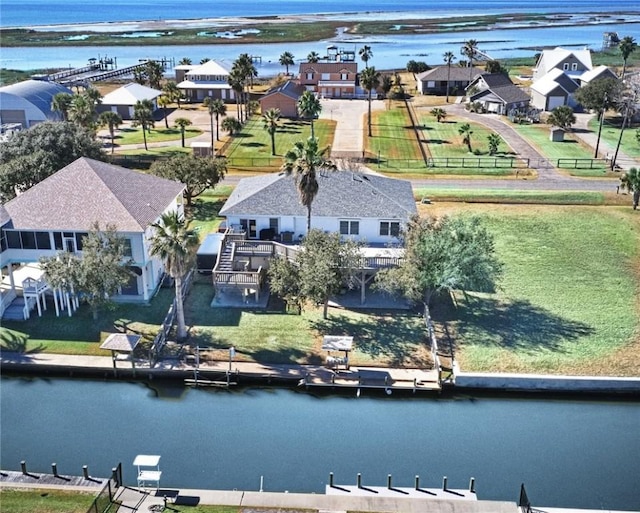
(238, 278)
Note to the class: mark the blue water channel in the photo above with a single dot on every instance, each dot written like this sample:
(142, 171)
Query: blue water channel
(569, 453)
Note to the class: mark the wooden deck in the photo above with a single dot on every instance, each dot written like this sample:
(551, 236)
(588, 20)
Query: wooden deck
(12, 478)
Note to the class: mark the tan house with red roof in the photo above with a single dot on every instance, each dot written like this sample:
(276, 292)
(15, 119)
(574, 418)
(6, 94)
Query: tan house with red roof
(57, 213)
(284, 97)
(329, 79)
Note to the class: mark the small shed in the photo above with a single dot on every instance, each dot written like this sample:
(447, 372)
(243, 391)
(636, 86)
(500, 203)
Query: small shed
(201, 149)
(207, 253)
(556, 134)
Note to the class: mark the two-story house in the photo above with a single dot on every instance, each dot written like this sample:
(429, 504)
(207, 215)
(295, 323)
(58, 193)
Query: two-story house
(210, 79)
(329, 79)
(57, 213)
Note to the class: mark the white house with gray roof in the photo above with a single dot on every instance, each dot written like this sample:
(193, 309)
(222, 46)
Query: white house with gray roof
(55, 214)
(123, 100)
(365, 207)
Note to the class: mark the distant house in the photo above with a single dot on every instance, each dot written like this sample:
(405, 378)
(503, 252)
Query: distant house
(55, 214)
(28, 103)
(363, 207)
(496, 93)
(123, 99)
(572, 62)
(208, 79)
(553, 90)
(434, 81)
(284, 97)
(329, 79)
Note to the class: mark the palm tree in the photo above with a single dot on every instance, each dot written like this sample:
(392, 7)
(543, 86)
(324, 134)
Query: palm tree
(93, 95)
(175, 244)
(163, 102)
(309, 106)
(370, 80)
(494, 142)
(236, 81)
(111, 120)
(304, 160)
(470, 51)
(204, 60)
(286, 59)
(440, 114)
(627, 46)
(182, 124)
(185, 61)
(631, 182)
(386, 84)
(171, 91)
(448, 59)
(465, 131)
(216, 108)
(231, 125)
(82, 111)
(271, 118)
(365, 54)
(143, 117)
(313, 57)
(61, 103)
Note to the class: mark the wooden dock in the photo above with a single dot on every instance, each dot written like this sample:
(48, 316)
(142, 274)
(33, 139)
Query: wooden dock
(17, 479)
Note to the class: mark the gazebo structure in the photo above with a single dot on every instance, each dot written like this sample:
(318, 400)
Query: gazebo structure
(148, 470)
(121, 346)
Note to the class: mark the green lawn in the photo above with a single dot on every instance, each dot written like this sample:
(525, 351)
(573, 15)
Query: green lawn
(510, 196)
(393, 135)
(252, 146)
(571, 148)
(134, 135)
(611, 134)
(569, 299)
(204, 213)
(387, 338)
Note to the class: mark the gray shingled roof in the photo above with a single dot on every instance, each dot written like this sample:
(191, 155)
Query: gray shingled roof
(458, 74)
(289, 88)
(340, 194)
(87, 191)
(496, 80)
(508, 94)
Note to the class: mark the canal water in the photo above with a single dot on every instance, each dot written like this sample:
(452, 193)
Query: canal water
(569, 453)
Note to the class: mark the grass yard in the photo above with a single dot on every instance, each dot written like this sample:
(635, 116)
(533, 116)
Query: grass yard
(204, 212)
(630, 144)
(44, 501)
(81, 334)
(570, 299)
(521, 197)
(252, 146)
(393, 135)
(134, 135)
(571, 148)
(391, 338)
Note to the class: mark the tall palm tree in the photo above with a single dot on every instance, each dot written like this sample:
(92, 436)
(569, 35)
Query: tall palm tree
(111, 120)
(365, 54)
(236, 81)
(61, 103)
(448, 59)
(627, 46)
(313, 57)
(170, 89)
(143, 117)
(631, 182)
(286, 60)
(204, 60)
(271, 118)
(176, 245)
(304, 161)
(370, 80)
(465, 131)
(218, 108)
(163, 102)
(470, 51)
(182, 124)
(309, 106)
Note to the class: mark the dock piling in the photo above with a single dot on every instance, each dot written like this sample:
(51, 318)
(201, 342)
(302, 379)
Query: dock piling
(23, 467)
(331, 479)
(54, 469)
(85, 471)
(389, 481)
(444, 483)
(359, 480)
(472, 485)
(417, 482)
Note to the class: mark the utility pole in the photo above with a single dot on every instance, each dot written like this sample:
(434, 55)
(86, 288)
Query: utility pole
(630, 101)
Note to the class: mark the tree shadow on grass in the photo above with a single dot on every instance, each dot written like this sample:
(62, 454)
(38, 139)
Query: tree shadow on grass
(518, 324)
(13, 347)
(390, 336)
(205, 210)
(253, 145)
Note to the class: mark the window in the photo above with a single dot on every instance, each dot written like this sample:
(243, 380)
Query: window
(309, 76)
(565, 66)
(57, 241)
(431, 84)
(274, 225)
(349, 227)
(79, 238)
(326, 76)
(344, 76)
(42, 240)
(13, 239)
(389, 228)
(574, 66)
(28, 240)
(127, 250)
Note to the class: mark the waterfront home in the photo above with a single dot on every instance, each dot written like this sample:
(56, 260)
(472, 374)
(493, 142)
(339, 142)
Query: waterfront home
(210, 79)
(57, 213)
(28, 103)
(265, 218)
(496, 93)
(553, 90)
(123, 99)
(283, 97)
(572, 62)
(329, 79)
(434, 81)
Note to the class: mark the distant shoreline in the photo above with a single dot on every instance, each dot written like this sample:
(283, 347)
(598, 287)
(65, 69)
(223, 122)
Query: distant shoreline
(292, 28)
